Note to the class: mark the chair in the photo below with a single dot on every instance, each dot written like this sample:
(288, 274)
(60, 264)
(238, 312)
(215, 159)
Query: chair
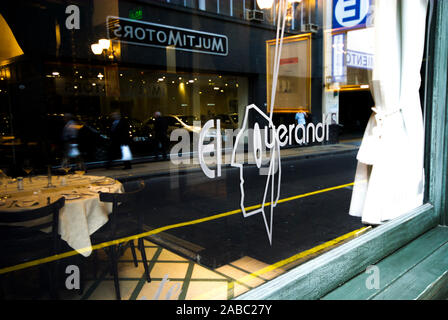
(20, 244)
(124, 221)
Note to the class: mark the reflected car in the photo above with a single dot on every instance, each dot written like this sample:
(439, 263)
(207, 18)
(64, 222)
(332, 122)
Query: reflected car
(176, 122)
(228, 121)
(234, 118)
(141, 136)
(92, 144)
(184, 122)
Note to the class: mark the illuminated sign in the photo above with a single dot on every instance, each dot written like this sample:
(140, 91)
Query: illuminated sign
(359, 60)
(339, 73)
(162, 36)
(136, 14)
(348, 14)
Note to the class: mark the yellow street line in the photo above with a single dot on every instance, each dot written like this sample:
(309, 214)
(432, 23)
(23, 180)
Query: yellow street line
(156, 231)
(277, 265)
(316, 192)
(300, 255)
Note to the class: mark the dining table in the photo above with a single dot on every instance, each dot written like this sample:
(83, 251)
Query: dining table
(83, 213)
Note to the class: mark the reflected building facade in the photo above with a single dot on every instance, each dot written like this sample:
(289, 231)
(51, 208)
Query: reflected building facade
(197, 60)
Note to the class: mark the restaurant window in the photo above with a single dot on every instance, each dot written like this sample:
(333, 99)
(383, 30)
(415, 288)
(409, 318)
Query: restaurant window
(255, 144)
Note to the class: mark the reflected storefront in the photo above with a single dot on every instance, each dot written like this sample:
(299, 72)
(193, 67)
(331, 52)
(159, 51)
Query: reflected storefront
(93, 94)
(140, 59)
(240, 126)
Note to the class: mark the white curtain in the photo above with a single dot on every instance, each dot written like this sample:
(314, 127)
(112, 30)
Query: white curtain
(389, 179)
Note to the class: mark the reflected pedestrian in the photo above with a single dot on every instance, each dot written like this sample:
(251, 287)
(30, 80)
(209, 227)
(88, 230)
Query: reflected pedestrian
(160, 133)
(70, 134)
(301, 120)
(120, 140)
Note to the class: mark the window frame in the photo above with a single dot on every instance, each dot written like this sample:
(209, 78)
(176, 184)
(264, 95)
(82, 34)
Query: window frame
(319, 276)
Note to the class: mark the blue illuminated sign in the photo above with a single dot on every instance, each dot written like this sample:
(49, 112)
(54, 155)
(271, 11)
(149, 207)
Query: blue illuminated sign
(339, 69)
(350, 14)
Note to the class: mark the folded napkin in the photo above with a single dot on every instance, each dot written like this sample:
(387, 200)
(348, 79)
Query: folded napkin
(26, 204)
(99, 189)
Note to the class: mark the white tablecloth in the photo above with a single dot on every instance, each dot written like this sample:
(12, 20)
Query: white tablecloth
(83, 213)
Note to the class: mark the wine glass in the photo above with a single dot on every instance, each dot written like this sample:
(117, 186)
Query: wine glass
(4, 180)
(65, 167)
(80, 168)
(49, 185)
(27, 168)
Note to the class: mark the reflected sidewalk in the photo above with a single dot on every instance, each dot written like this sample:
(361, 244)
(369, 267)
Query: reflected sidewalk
(166, 167)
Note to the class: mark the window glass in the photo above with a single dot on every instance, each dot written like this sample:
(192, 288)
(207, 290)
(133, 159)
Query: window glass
(238, 9)
(212, 6)
(176, 2)
(191, 3)
(254, 159)
(225, 7)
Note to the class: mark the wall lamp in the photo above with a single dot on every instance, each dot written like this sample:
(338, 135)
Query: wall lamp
(98, 48)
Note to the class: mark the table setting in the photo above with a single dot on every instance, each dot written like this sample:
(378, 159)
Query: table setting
(83, 213)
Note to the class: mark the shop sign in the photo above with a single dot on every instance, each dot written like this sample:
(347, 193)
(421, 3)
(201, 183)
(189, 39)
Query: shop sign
(162, 36)
(285, 61)
(359, 60)
(339, 63)
(350, 14)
